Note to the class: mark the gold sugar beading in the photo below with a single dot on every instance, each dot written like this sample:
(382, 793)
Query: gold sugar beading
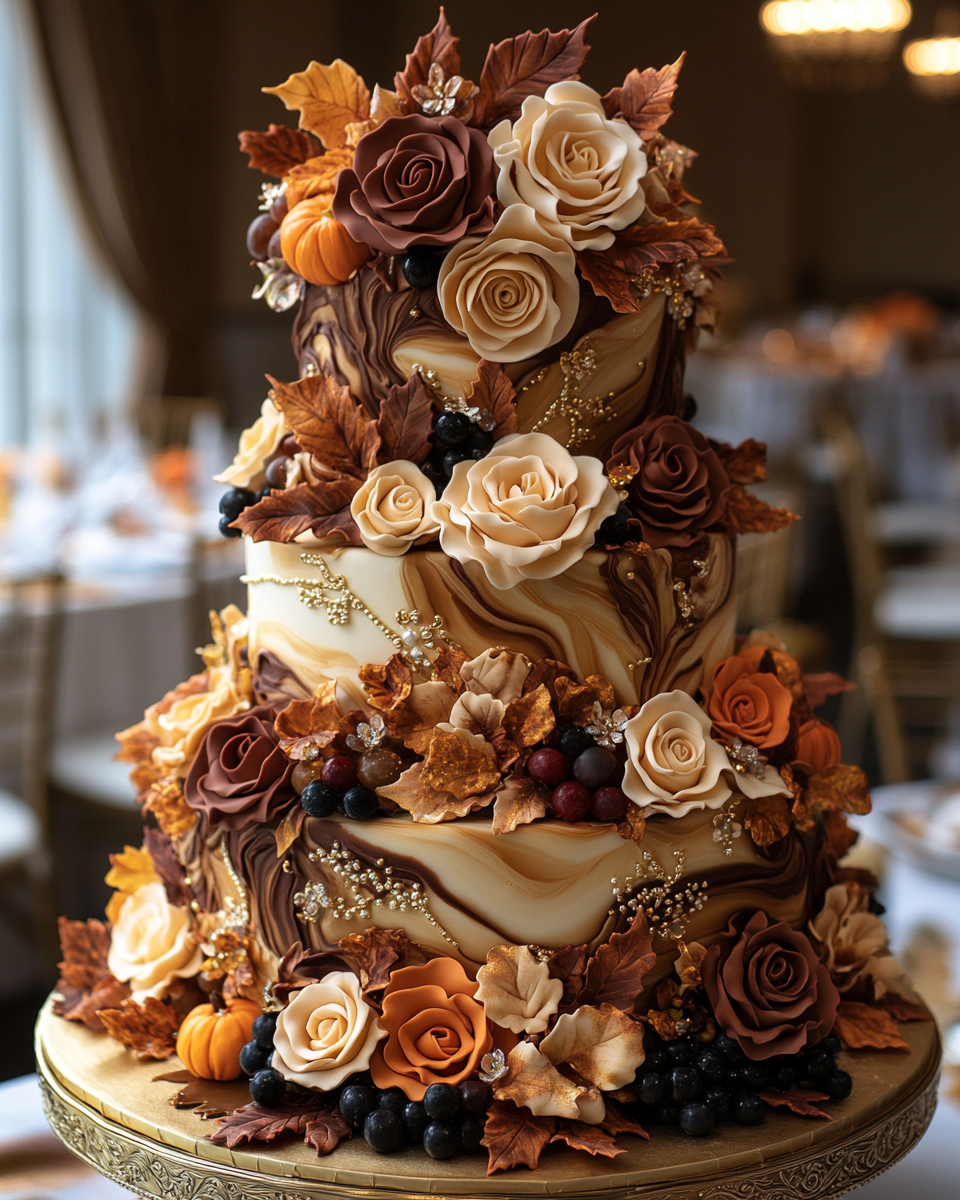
(666, 906)
(576, 365)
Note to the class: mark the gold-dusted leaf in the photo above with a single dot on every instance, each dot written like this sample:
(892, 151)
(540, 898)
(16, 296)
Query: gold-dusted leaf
(614, 975)
(767, 819)
(316, 177)
(800, 1101)
(460, 763)
(590, 1138)
(688, 965)
(446, 668)
(405, 790)
(529, 719)
(426, 804)
(330, 97)
(514, 1137)
(165, 800)
(867, 1027)
(547, 671)
(534, 1082)
(744, 463)
(601, 1043)
(387, 685)
(517, 991)
(289, 829)
(373, 954)
(301, 718)
(747, 513)
(131, 869)
(841, 786)
(279, 150)
(634, 824)
(328, 422)
(519, 800)
(576, 700)
(148, 1029)
(663, 1024)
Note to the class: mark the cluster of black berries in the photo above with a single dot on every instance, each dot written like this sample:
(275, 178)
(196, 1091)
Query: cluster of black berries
(457, 439)
(448, 1120)
(691, 1083)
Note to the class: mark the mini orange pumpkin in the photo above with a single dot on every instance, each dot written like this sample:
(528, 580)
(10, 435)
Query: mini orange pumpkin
(318, 247)
(211, 1038)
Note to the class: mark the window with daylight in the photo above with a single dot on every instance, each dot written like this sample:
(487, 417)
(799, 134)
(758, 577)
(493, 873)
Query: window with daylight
(68, 332)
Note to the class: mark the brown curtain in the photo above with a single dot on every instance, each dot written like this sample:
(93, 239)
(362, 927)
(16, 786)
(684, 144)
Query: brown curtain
(135, 85)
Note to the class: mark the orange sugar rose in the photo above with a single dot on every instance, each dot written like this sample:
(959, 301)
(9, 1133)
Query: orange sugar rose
(749, 704)
(436, 1031)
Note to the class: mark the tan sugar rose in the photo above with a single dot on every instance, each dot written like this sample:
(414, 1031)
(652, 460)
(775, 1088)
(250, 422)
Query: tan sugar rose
(152, 943)
(516, 990)
(325, 1033)
(854, 943)
(392, 509)
(257, 444)
(527, 510)
(513, 293)
(579, 171)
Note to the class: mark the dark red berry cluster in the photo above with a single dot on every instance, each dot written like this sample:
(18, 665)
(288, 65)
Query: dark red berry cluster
(583, 776)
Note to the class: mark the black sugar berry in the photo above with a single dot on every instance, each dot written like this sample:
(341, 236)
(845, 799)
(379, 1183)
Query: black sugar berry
(225, 530)
(441, 1140)
(264, 1027)
(319, 799)
(383, 1131)
(356, 1102)
(748, 1109)
(267, 1087)
(233, 503)
(254, 1058)
(839, 1084)
(441, 1101)
(393, 1098)
(572, 741)
(415, 1121)
(452, 429)
(696, 1120)
(360, 803)
(421, 266)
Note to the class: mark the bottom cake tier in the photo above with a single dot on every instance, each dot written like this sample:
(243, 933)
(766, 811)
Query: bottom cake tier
(111, 1111)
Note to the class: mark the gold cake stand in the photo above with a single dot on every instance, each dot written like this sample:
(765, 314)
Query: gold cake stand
(103, 1106)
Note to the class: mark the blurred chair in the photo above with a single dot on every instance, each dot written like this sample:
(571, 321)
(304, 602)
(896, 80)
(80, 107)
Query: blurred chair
(763, 578)
(30, 621)
(906, 621)
(165, 421)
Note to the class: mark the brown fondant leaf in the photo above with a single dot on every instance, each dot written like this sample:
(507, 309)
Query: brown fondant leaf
(514, 1137)
(903, 1010)
(387, 685)
(644, 100)
(609, 280)
(406, 422)
(84, 1003)
(278, 150)
(328, 422)
(493, 391)
(839, 834)
(329, 96)
(841, 786)
(595, 1040)
(148, 1029)
(326, 1131)
(867, 1027)
(576, 700)
(615, 1121)
(688, 965)
(744, 463)
(519, 800)
(320, 714)
(446, 668)
(460, 763)
(547, 671)
(615, 973)
(746, 513)
(168, 866)
(529, 719)
(526, 66)
(253, 1123)
(373, 954)
(568, 965)
(799, 1101)
(426, 804)
(590, 1138)
(289, 829)
(321, 508)
(767, 819)
(208, 1098)
(818, 688)
(663, 1024)
(316, 177)
(634, 824)
(438, 46)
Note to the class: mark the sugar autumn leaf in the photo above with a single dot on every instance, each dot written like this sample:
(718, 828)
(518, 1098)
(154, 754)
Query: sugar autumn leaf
(300, 718)
(526, 66)
(316, 177)
(253, 1123)
(388, 684)
(634, 824)
(866, 1027)
(279, 150)
(645, 98)
(493, 391)
(86, 984)
(164, 798)
(744, 463)
(289, 829)
(615, 1122)
(438, 46)
(903, 1010)
(446, 668)
(519, 800)
(514, 1137)
(326, 1130)
(373, 954)
(427, 804)
(767, 819)
(406, 422)
(599, 1042)
(841, 786)
(747, 513)
(328, 423)
(320, 508)
(568, 965)
(148, 1029)
(614, 975)
(688, 965)
(529, 719)
(131, 869)
(818, 688)
(576, 700)
(800, 1101)
(330, 97)
(463, 764)
(592, 1139)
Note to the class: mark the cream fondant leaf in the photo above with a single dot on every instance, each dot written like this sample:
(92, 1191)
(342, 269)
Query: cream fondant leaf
(602, 1044)
(534, 1082)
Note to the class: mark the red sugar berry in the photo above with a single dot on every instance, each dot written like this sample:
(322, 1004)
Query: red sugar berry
(339, 773)
(549, 767)
(571, 801)
(609, 804)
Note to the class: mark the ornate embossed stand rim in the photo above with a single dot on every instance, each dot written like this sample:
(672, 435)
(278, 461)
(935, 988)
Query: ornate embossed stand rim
(823, 1169)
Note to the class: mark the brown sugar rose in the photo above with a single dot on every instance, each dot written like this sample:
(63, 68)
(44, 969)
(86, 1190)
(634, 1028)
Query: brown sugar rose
(436, 1031)
(240, 776)
(748, 704)
(680, 486)
(769, 990)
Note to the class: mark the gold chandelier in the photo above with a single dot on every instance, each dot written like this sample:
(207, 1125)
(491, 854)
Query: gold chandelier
(835, 43)
(934, 63)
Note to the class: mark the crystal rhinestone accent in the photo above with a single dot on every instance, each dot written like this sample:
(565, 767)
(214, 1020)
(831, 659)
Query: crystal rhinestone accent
(607, 728)
(493, 1066)
(746, 759)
